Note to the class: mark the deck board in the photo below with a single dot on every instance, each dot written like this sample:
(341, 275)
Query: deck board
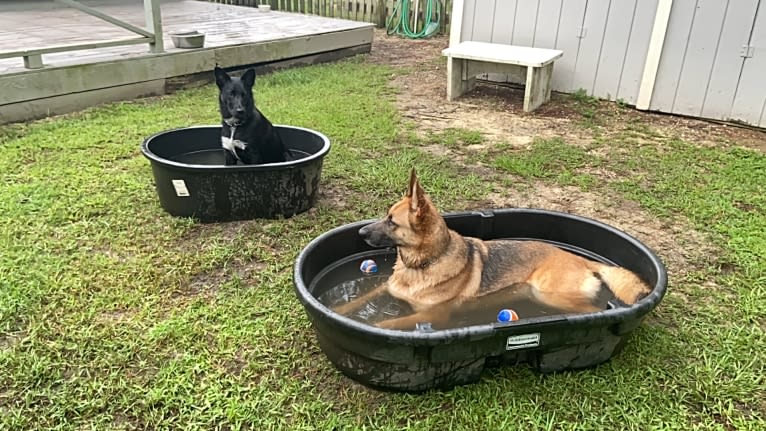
(236, 36)
(45, 23)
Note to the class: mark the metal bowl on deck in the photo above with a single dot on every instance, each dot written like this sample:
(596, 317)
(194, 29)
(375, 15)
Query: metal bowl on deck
(188, 39)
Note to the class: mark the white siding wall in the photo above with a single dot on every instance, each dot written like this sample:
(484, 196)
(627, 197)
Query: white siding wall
(750, 95)
(701, 71)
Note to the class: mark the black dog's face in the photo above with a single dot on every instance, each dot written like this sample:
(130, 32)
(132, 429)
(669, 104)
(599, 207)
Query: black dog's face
(236, 96)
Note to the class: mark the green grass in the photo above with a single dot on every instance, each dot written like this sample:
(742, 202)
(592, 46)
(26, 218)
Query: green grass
(718, 191)
(549, 159)
(456, 138)
(586, 106)
(114, 315)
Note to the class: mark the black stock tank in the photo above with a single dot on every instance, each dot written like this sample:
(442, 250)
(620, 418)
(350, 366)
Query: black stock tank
(192, 180)
(425, 358)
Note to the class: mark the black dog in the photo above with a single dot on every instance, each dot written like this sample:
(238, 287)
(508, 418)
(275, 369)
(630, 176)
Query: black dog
(246, 134)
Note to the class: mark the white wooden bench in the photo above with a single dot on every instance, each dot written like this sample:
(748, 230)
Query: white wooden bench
(533, 65)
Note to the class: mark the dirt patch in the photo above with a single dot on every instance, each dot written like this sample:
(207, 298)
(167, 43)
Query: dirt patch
(401, 52)
(201, 237)
(206, 283)
(200, 233)
(10, 340)
(115, 316)
(334, 196)
(236, 364)
(677, 245)
(496, 110)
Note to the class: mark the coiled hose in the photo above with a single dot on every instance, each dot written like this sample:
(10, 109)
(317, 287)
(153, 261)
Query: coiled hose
(399, 21)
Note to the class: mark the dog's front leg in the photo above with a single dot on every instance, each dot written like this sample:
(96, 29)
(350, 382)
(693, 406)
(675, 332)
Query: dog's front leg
(437, 315)
(230, 159)
(353, 305)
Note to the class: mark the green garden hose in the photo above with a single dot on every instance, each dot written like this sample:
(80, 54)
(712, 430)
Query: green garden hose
(399, 21)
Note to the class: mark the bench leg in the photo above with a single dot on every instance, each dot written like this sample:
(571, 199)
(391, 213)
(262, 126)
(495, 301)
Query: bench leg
(33, 61)
(458, 81)
(538, 87)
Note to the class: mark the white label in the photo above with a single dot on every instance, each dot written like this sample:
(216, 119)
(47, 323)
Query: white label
(180, 187)
(522, 341)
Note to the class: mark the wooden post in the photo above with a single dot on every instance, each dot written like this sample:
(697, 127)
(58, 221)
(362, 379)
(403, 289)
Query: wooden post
(446, 16)
(654, 52)
(153, 17)
(456, 22)
(537, 89)
(459, 81)
(33, 61)
(381, 8)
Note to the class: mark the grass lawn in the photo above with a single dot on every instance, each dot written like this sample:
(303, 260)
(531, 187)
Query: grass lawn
(115, 315)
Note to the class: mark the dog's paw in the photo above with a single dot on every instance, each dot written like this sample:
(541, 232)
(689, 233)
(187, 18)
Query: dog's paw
(385, 325)
(401, 324)
(344, 309)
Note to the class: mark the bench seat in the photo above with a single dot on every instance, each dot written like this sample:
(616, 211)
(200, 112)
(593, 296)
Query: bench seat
(534, 65)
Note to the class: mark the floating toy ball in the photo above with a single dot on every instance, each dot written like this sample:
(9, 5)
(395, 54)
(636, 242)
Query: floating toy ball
(369, 266)
(507, 315)
(424, 327)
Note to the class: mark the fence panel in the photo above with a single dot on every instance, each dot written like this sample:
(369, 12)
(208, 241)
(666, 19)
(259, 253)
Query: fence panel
(373, 11)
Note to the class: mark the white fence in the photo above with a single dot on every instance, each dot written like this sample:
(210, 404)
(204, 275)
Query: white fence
(707, 58)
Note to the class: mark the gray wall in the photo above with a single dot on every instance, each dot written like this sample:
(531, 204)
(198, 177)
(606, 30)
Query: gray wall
(701, 71)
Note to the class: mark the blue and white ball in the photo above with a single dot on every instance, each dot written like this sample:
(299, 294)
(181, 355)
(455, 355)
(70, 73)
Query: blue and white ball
(369, 266)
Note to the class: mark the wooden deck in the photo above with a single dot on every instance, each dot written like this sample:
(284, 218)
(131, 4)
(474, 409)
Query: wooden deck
(236, 37)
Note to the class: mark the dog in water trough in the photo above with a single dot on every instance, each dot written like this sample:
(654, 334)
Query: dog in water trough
(246, 134)
(438, 272)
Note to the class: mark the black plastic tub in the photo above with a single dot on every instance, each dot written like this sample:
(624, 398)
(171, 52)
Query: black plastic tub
(420, 360)
(192, 180)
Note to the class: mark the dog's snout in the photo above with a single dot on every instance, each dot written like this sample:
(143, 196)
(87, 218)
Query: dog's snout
(373, 235)
(236, 107)
(238, 110)
(364, 232)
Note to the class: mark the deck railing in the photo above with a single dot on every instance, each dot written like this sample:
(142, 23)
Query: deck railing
(374, 11)
(151, 35)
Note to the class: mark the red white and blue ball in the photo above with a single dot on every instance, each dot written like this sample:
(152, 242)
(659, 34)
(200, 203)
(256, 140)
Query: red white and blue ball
(507, 315)
(369, 266)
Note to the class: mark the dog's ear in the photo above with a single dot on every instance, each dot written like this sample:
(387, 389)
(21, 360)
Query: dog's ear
(416, 193)
(221, 77)
(248, 78)
(413, 180)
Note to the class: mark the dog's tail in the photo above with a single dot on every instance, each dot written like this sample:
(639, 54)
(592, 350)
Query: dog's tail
(625, 285)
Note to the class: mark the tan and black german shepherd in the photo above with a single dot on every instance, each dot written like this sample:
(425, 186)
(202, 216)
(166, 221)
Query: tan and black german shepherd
(437, 271)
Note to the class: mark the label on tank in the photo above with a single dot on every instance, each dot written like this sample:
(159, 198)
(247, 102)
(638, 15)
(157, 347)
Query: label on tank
(522, 341)
(180, 186)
